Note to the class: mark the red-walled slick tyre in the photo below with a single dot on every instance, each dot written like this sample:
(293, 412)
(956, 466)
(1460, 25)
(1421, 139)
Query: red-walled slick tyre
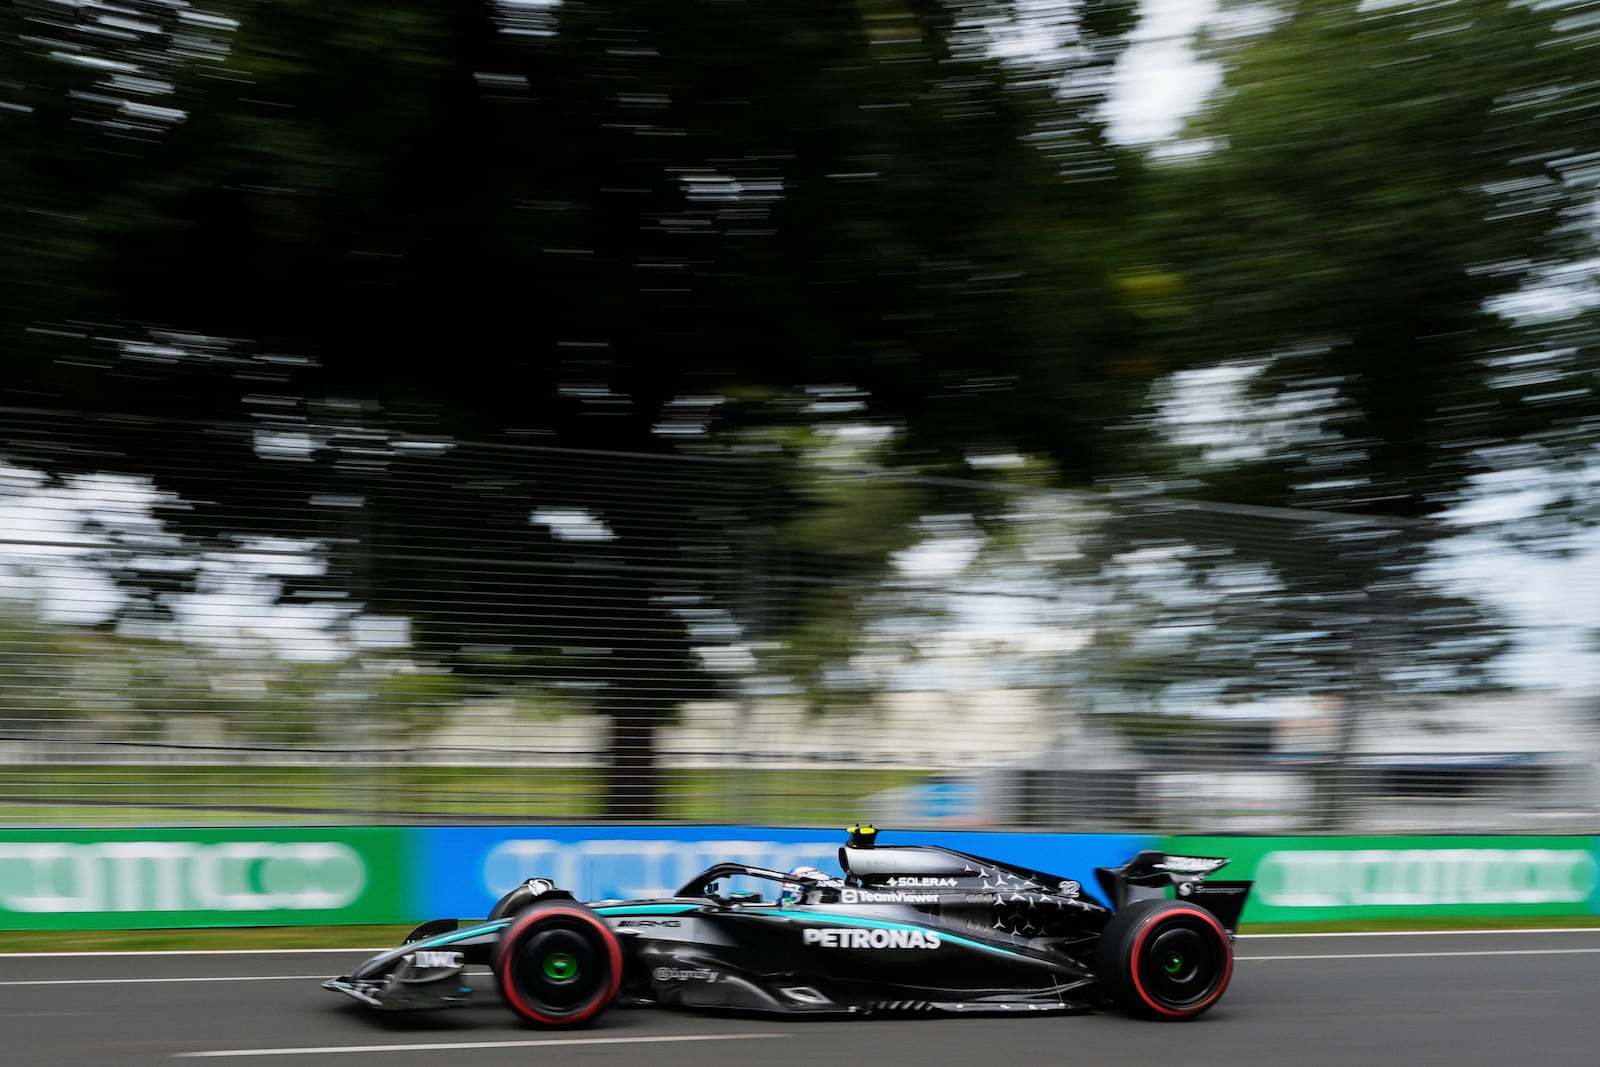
(1165, 958)
(558, 964)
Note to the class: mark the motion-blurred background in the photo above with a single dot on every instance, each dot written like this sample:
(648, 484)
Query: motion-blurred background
(1051, 415)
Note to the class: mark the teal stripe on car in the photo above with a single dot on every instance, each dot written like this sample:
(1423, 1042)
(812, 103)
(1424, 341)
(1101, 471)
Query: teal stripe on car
(645, 909)
(453, 936)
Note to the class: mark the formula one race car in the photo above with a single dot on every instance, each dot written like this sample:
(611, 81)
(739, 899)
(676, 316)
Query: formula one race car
(907, 929)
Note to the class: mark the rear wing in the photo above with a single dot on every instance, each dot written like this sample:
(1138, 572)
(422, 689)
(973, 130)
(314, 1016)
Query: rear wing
(1151, 873)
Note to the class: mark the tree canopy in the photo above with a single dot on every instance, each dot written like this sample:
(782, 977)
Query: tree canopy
(715, 229)
(569, 218)
(1359, 207)
(633, 227)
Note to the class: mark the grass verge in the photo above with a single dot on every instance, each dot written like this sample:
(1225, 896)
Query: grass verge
(34, 796)
(193, 940)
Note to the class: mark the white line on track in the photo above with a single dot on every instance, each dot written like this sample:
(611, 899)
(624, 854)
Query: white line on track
(164, 981)
(449, 1046)
(1432, 955)
(1242, 940)
(68, 954)
(1432, 933)
(1252, 959)
(189, 952)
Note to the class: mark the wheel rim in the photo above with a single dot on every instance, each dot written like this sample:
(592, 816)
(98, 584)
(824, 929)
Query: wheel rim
(558, 969)
(1181, 965)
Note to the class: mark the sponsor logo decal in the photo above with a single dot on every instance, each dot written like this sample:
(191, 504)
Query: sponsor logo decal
(915, 882)
(620, 869)
(650, 922)
(1381, 876)
(851, 937)
(133, 876)
(868, 896)
(1186, 889)
(423, 960)
(679, 974)
(1190, 864)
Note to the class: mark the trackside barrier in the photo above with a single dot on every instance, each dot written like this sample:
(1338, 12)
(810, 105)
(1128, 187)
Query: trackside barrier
(468, 869)
(264, 876)
(230, 876)
(171, 878)
(1300, 879)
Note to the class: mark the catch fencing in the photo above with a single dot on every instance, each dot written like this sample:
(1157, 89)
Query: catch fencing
(327, 621)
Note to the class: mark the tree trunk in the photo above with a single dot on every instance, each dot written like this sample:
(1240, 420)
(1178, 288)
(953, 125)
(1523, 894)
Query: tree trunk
(632, 782)
(1332, 795)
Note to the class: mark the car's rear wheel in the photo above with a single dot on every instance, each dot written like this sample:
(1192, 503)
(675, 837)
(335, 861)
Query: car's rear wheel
(1165, 959)
(558, 964)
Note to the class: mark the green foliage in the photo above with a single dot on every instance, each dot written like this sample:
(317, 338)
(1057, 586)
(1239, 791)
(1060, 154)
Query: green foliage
(65, 681)
(1326, 276)
(412, 703)
(1369, 182)
(585, 221)
(737, 228)
(251, 793)
(36, 664)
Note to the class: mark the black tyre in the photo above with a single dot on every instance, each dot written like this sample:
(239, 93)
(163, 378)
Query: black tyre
(558, 964)
(519, 898)
(1165, 959)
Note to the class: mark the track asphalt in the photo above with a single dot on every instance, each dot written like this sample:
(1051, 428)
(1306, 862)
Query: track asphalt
(1498, 998)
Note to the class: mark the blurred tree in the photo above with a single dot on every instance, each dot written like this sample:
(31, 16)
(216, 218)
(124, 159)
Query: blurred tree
(623, 226)
(35, 672)
(1336, 263)
(412, 703)
(1345, 232)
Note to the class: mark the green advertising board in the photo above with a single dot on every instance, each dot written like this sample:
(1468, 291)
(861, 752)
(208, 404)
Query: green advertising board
(141, 879)
(296, 876)
(1300, 879)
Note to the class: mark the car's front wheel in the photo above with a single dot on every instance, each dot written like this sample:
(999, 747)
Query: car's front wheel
(1165, 958)
(558, 964)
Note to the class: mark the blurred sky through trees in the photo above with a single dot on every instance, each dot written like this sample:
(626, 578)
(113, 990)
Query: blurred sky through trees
(1335, 256)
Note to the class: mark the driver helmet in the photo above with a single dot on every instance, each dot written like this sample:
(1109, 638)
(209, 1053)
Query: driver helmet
(795, 892)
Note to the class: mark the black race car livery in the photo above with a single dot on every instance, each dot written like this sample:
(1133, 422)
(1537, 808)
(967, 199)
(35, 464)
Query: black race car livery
(910, 928)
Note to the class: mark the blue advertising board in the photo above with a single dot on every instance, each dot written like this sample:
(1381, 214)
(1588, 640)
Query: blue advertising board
(461, 871)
